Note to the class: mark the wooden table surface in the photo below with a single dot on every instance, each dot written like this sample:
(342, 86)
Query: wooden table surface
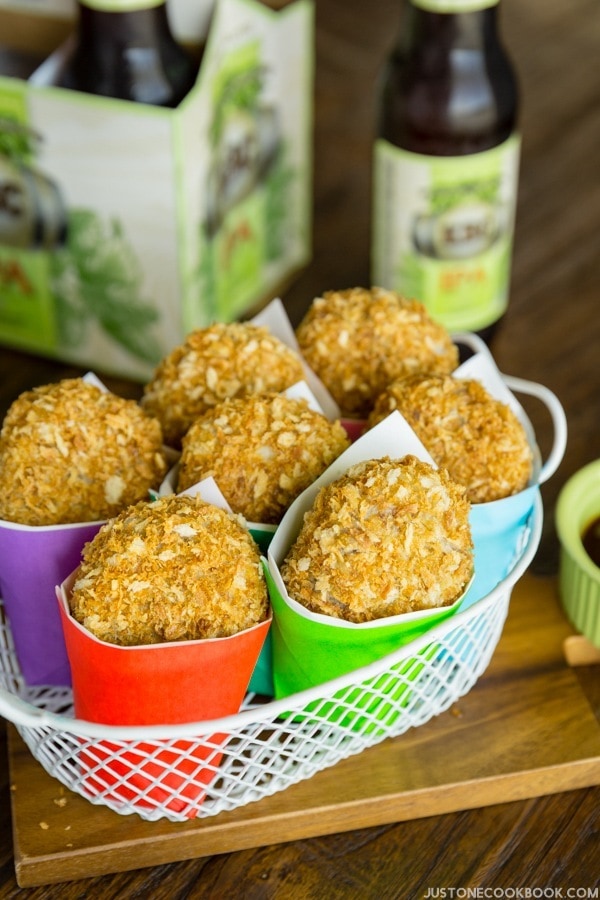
(551, 335)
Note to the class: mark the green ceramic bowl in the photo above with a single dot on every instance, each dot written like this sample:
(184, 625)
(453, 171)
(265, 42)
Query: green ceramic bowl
(579, 577)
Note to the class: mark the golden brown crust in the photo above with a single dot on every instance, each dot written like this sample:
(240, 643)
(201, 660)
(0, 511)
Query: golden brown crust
(70, 452)
(467, 431)
(390, 536)
(262, 451)
(216, 363)
(358, 341)
(171, 570)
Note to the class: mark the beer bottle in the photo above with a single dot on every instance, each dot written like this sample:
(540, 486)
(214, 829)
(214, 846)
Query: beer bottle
(125, 49)
(446, 162)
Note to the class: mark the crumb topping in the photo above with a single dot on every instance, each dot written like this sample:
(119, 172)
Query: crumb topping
(390, 536)
(174, 569)
(262, 451)
(70, 452)
(216, 363)
(477, 438)
(359, 340)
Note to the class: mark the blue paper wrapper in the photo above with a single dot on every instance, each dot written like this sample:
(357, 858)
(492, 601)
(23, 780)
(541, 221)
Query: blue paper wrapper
(498, 529)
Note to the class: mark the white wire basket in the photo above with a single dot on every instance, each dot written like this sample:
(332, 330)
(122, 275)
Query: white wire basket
(201, 769)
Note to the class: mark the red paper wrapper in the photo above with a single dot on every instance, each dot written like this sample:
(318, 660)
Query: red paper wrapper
(157, 684)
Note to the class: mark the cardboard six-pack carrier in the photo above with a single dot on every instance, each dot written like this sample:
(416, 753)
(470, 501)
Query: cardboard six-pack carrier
(124, 226)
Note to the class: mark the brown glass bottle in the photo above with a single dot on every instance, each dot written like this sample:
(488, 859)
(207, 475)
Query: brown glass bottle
(125, 49)
(449, 90)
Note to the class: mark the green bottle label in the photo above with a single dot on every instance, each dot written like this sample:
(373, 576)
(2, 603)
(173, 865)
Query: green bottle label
(443, 230)
(454, 6)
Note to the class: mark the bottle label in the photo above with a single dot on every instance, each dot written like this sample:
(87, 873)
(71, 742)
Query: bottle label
(443, 229)
(454, 6)
(121, 5)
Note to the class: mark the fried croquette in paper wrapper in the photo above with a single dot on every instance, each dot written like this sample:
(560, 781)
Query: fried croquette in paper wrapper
(391, 536)
(359, 340)
(220, 362)
(176, 569)
(477, 438)
(262, 451)
(71, 452)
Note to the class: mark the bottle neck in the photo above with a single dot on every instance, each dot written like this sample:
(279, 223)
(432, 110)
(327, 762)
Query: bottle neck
(141, 25)
(449, 88)
(468, 30)
(129, 52)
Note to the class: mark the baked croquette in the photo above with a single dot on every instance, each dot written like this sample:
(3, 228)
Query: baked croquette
(71, 452)
(262, 451)
(358, 340)
(391, 536)
(478, 439)
(175, 569)
(220, 362)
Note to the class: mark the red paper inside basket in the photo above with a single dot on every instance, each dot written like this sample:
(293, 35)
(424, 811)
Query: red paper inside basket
(174, 777)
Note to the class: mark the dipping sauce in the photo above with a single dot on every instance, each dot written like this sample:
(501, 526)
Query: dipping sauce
(591, 541)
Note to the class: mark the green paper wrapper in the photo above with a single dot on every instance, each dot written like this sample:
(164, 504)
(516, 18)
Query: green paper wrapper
(310, 649)
(330, 651)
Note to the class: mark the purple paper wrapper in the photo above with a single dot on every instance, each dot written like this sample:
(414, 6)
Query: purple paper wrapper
(33, 560)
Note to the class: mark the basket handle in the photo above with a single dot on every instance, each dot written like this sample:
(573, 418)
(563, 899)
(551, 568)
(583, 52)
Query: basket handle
(472, 340)
(521, 385)
(557, 414)
(19, 711)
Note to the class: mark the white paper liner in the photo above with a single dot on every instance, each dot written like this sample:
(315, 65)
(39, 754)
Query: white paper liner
(275, 318)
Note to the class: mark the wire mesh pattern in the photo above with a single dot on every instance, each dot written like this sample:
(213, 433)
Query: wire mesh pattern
(178, 772)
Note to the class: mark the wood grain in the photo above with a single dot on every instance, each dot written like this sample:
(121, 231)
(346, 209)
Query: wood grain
(550, 334)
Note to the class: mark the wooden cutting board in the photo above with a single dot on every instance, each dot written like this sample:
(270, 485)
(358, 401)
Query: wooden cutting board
(525, 730)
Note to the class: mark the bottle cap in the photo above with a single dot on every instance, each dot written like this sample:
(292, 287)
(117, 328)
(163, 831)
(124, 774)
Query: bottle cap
(454, 6)
(121, 5)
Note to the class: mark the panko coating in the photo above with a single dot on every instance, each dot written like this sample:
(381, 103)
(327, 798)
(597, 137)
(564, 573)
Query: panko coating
(477, 438)
(175, 569)
(359, 340)
(262, 451)
(71, 452)
(222, 361)
(391, 536)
